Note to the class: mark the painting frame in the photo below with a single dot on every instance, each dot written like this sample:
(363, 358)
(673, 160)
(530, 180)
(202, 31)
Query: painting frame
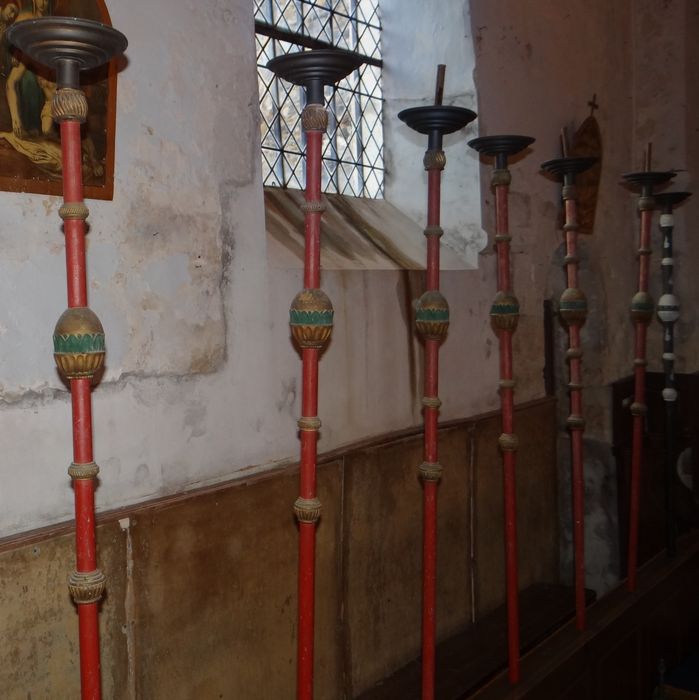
(30, 160)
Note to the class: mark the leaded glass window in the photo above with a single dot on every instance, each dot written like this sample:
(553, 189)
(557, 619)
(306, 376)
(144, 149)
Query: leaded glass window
(353, 149)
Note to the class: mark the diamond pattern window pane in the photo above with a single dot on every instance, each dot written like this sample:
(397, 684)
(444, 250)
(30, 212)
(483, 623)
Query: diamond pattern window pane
(353, 149)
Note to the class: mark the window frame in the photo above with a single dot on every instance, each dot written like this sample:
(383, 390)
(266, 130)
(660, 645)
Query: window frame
(347, 168)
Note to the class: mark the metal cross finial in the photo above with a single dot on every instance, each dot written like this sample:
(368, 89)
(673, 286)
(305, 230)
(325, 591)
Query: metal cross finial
(592, 104)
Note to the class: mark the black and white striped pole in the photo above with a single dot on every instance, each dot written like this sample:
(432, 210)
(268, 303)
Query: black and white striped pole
(668, 311)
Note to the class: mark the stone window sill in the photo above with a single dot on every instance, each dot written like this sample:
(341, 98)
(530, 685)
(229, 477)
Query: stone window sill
(356, 234)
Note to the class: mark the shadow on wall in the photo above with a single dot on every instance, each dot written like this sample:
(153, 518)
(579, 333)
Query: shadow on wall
(601, 516)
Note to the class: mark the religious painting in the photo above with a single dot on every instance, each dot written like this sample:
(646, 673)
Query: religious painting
(30, 148)
(587, 143)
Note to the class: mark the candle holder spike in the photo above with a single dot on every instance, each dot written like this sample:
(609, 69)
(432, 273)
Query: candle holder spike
(311, 323)
(432, 324)
(69, 46)
(573, 312)
(504, 315)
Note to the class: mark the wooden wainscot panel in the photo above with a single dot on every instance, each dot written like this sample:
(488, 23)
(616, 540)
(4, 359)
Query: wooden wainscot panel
(618, 670)
(216, 581)
(39, 650)
(537, 503)
(383, 554)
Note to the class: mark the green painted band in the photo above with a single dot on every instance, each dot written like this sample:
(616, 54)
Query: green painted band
(504, 310)
(580, 305)
(310, 318)
(423, 314)
(91, 342)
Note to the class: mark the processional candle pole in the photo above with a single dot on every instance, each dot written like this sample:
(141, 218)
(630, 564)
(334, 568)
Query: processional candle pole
(641, 314)
(668, 311)
(311, 322)
(69, 46)
(573, 312)
(504, 315)
(432, 323)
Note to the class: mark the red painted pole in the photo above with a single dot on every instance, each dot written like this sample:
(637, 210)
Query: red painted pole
(69, 45)
(431, 469)
(432, 323)
(642, 308)
(79, 346)
(311, 322)
(573, 310)
(505, 321)
(504, 315)
(311, 338)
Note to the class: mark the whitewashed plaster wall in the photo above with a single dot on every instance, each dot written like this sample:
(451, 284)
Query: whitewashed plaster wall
(202, 382)
(177, 274)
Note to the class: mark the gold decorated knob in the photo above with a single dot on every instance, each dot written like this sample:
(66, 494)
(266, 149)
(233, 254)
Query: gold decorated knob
(642, 307)
(307, 510)
(311, 318)
(69, 104)
(86, 586)
(573, 307)
(432, 315)
(504, 313)
(78, 343)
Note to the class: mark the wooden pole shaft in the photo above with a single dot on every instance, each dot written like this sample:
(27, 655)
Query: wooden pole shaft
(430, 451)
(504, 284)
(309, 438)
(638, 407)
(576, 423)
(86, 555)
